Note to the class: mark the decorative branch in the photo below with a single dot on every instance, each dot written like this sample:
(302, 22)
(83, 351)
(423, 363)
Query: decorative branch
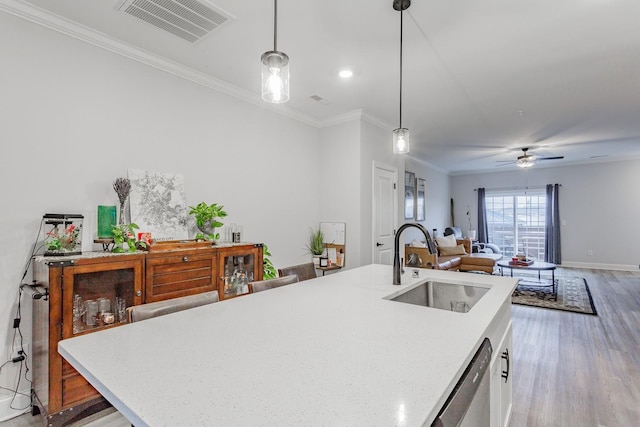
(122, 186)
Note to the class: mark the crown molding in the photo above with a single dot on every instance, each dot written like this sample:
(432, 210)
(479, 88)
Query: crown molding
(80, 32)
(428, 164)
(341, 118)
(377, 122)
(355, 115)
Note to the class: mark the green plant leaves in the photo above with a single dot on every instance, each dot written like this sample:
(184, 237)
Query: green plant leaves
(125, 233)
(316, 242)
(207, 215)
(268, 269)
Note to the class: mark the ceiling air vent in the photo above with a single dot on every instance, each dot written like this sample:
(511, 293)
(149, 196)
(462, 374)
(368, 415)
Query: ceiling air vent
(319, 99)
(190, 20)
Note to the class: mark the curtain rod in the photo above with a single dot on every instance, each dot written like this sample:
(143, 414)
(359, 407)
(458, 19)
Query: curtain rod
(538, 187)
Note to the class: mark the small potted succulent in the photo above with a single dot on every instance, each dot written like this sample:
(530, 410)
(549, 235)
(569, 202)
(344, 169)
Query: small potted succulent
(207, 219)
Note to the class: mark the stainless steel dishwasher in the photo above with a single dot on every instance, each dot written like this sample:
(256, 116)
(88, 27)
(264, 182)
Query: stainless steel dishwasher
(469, 403)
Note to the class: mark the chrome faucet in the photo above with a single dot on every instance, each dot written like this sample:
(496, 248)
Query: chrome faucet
(396, 248)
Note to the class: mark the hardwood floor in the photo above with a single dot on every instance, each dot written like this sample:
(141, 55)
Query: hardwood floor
(569, 369)
(580, 370)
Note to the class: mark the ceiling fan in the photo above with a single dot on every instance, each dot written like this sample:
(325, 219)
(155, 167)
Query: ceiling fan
(527, 160)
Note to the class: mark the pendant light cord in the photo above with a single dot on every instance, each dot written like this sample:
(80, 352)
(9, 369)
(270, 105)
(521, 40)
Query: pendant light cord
(275, 25)
(401, 13)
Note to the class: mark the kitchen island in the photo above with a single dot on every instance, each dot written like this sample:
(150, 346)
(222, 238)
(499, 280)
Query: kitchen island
(327, 351)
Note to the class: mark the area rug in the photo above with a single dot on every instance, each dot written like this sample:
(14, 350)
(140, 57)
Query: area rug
(572, 295)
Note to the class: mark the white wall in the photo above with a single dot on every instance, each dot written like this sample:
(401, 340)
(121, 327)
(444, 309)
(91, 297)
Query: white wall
(75, 117)
(437, 197)
(339, 187)
(375, 149)
(599, 207)
(348, 152)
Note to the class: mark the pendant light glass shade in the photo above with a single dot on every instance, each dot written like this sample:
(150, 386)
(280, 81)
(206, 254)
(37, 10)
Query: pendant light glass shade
(275, 77)
(275, 69)
(401, 141)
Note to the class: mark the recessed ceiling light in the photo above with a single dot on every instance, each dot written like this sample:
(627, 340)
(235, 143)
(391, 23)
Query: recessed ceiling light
(345, 74)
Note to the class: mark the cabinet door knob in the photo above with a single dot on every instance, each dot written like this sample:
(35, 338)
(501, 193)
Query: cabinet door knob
(185, 259)
(138, 293)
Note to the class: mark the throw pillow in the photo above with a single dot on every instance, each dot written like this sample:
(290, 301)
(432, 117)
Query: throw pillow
(448, 250)
(447, 241)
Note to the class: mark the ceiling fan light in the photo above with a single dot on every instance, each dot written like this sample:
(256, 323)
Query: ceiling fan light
(275, 77)
(401, 141)
(525, 162)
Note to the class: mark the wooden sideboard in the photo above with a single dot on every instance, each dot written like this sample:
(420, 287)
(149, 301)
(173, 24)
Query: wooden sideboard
(60, 392)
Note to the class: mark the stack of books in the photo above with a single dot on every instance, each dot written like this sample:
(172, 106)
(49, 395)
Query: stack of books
(518, 261)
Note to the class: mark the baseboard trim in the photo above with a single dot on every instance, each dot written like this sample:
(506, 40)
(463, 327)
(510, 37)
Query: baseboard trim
(597, 266)
(20, 401)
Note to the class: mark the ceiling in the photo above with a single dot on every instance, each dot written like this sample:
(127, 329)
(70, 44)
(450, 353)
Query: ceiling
(481, 79)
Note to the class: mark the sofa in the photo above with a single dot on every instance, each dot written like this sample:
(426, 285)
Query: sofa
(444, 259)
(450, 257)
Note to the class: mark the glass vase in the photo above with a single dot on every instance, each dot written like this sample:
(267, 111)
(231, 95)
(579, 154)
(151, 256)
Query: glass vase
(122, 213)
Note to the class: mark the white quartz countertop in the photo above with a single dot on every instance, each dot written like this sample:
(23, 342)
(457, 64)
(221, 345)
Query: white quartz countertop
(329, 351)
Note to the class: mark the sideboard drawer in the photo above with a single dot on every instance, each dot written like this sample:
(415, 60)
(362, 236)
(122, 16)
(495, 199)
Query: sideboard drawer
(179, 274)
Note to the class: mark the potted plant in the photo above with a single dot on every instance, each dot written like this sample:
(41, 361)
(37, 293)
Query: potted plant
(125, 233)
(316, 245)
(207, 219)
(268, 269)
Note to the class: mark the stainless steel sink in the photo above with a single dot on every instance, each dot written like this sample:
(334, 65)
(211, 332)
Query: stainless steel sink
(441, 295)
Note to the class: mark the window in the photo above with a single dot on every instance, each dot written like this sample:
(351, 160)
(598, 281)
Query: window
(516, 221)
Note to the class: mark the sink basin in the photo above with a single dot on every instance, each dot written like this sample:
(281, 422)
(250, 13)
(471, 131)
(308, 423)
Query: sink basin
(441, 295)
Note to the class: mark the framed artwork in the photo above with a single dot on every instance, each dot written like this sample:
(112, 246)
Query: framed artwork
(409, 194)
(157, 203)
(421, 187)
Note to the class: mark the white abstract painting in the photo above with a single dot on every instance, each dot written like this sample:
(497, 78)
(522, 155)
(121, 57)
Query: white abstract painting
(157, 204)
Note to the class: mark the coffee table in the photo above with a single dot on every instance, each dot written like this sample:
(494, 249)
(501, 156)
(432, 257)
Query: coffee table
(536, 266)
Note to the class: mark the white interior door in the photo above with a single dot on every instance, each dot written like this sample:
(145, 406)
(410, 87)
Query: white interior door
(384, 213)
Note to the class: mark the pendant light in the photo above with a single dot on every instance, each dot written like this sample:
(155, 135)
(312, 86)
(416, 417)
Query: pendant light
(401, 135)
(275, 69)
